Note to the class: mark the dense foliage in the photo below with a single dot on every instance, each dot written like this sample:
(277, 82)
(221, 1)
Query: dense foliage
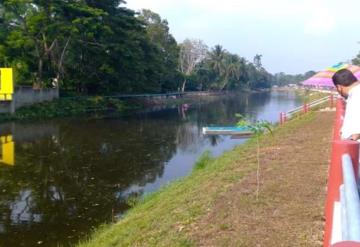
(84, 46)
(222, 70)
(102, 47)
(356, 60)
(281, 79)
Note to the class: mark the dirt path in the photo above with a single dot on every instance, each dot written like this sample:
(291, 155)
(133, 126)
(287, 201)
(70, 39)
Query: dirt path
(289, 209)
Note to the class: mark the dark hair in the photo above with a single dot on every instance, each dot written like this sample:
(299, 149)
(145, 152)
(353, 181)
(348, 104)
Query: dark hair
(344, 77)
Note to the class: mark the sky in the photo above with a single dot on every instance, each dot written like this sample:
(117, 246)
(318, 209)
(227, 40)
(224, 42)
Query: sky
(294, 36)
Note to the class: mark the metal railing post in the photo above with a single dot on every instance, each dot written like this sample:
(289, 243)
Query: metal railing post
(331, 101)
(304, 108)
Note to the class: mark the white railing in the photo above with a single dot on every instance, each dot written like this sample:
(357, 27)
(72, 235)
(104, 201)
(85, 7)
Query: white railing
(349, 202)
(308, 106)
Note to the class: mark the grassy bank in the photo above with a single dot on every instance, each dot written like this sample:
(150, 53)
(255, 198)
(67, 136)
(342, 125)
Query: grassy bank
(207, 207)
(309, 95)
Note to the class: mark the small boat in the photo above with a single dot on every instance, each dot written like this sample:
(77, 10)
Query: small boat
(236, 131)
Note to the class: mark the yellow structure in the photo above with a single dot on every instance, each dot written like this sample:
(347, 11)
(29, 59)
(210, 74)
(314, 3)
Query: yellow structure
(6, 84)
(7, 156)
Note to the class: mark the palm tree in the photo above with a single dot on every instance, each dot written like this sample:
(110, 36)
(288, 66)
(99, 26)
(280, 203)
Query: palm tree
(243, 73)
(231, 70)
(217, 56)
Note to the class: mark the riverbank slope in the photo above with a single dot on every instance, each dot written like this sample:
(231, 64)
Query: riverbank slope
(217, 205)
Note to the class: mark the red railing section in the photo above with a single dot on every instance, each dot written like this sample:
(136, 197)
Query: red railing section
(335, 177)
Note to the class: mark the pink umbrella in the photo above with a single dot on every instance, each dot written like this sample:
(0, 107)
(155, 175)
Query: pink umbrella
(324, 78)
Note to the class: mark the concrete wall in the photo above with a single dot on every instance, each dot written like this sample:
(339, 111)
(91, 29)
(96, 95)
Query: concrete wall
(25, 96)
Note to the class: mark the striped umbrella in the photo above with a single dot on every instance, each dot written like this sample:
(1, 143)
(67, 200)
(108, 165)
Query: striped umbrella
(324, 78)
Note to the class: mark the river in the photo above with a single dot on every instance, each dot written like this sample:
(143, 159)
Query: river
(60, 179)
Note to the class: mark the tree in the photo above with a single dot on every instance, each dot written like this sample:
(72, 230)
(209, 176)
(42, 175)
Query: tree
(257, 61)
(192, 53)
(87, 46)
(41, 28)
(101, 47)
(356, 60)
(222, 70)
(231, 70)
(258, 128)
(216, 57)
(159, 35)
(282, 79)
(116, 58)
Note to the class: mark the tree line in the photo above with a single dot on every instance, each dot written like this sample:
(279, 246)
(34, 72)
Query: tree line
(356, 60)
(282, 79)
(102, 47)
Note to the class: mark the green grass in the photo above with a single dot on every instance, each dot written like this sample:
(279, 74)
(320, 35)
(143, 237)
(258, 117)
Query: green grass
(167, 217)
(309, 95)
(203, 161)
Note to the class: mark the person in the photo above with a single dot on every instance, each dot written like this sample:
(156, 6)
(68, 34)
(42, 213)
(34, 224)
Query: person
(348, 87)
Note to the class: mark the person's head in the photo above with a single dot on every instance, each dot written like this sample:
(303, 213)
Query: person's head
(343, 80)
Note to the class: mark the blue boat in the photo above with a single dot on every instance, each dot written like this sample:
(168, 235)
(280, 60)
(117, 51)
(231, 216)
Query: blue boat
(238, 131)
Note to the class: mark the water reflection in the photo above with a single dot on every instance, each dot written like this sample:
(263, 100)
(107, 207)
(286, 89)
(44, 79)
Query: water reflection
(73, 175)
(7, 150)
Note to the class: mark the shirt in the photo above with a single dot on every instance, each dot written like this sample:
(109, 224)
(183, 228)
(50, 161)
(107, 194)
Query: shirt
(351, 123)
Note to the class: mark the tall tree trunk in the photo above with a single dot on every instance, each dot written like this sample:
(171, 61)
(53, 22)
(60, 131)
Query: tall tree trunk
(224, 83)
(60, 64)
(40, 67)
(40, 72)
(183, 86)
(258, 168)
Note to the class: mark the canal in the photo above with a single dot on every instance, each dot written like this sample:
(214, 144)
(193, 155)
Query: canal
(60, 179)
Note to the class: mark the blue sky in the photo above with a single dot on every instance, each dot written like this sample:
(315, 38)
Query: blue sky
(294, 36)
